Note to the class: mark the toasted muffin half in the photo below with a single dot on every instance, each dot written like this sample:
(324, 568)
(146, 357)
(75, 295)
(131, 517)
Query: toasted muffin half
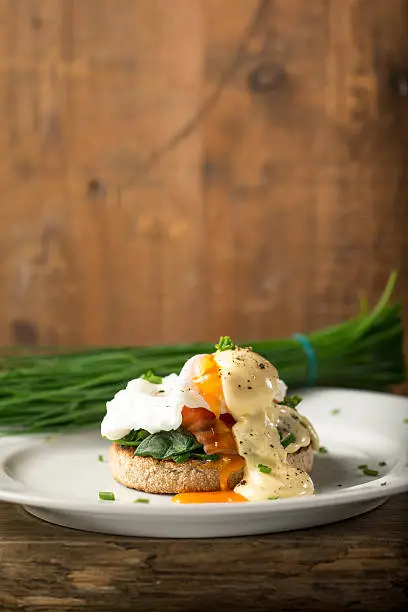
(160, 476)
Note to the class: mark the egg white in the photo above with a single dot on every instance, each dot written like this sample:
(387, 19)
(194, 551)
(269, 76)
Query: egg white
(153, 407)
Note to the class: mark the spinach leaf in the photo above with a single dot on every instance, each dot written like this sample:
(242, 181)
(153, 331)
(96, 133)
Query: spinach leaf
(167, 444)
(181, 458)
(179, 445)
(204, 457)
(134, 438)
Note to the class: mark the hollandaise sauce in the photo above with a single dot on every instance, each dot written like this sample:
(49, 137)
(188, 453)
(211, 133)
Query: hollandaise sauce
(249, 385)
(246, 385)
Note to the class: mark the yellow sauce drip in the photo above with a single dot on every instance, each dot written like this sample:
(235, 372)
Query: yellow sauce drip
(249, 385)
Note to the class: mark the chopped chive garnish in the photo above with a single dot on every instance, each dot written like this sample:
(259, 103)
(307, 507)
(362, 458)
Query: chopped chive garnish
(369, 472)
(225, 344)
(363, 466)
(152, 378)
(291, 400)
(335, 411)
(100, 458)
(322, 450)
(280, 435)
(288, 440)
(106, 495)
(405, 421)
(381, 463)
(141, 500)
(264, 469)
(275, 497)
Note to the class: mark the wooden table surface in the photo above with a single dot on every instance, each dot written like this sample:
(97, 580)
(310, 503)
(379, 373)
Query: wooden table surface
(357, 564)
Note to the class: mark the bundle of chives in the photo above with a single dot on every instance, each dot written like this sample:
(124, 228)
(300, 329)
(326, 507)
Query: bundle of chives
(41, 393)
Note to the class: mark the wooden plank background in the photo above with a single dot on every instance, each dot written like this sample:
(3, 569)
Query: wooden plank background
(174, 170)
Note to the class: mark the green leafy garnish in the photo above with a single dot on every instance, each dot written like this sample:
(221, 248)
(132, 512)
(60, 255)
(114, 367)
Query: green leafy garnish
(179, 445)
(106, 496)
(288, 440)
(181, 458)
(405, 421)
(225, 344)
(322, 450)
(134, 438)
(100, 458)
(292, 400)
(168, 444)
(141, 500)
(204, 457)
(152, 378)
(199, 456)
(264, 468)
(335, 411)
(273, 497)
(382, 463)
(369, 472)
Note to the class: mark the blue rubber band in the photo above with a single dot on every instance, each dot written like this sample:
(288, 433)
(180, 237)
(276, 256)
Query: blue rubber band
(311, 357)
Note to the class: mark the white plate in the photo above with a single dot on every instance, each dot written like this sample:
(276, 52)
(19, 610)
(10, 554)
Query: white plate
(58, 479)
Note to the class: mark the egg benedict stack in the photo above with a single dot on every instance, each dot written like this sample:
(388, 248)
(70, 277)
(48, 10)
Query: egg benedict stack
(221, 430)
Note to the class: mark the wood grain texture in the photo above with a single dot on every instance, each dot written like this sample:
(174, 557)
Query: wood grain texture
(174, 171)
(358, 564)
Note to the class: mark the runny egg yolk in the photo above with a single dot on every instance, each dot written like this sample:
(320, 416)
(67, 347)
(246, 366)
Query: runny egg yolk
(217, 434)
(214, 434)
(211, 497)
(208, 383)
(231, 464)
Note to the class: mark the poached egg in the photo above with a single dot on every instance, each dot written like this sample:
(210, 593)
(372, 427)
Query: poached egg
(149, 406)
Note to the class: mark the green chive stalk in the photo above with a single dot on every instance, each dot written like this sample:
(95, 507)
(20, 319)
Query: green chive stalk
(45, 392)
